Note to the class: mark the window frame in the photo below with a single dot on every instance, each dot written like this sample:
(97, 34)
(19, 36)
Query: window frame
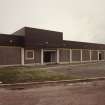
(26, 55)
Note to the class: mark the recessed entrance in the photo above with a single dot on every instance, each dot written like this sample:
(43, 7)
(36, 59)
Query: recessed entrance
(100, 56)
(49, 56)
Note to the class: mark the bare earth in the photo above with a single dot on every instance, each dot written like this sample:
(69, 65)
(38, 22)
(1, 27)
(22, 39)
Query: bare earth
(71, 94)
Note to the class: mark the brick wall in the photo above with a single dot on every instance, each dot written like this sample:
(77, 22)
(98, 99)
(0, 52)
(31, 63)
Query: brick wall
(10, 55)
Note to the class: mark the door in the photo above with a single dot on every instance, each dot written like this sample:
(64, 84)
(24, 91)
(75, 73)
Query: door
(100, 56)
(47, 57)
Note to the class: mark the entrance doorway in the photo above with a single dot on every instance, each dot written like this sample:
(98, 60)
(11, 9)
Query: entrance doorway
(49, 56)
(100, 56)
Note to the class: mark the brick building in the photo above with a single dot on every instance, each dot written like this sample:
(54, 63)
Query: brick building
(38, 46)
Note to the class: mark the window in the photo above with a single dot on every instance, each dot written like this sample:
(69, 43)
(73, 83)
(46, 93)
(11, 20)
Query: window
(29, 54)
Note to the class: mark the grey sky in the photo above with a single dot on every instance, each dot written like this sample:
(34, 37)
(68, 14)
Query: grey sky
(80, 20)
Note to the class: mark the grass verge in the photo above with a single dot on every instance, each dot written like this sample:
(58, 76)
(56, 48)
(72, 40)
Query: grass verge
(27, 74)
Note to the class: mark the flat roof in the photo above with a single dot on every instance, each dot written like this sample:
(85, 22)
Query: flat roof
(41, 38)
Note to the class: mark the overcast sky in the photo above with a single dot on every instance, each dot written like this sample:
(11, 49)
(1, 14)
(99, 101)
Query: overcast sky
(79, 20)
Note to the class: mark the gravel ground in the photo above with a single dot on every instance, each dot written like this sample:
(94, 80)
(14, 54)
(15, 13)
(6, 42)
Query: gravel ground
(82, 71)
(92, 93)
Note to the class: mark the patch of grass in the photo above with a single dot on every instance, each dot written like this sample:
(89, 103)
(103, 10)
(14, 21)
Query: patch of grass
(27, 74)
